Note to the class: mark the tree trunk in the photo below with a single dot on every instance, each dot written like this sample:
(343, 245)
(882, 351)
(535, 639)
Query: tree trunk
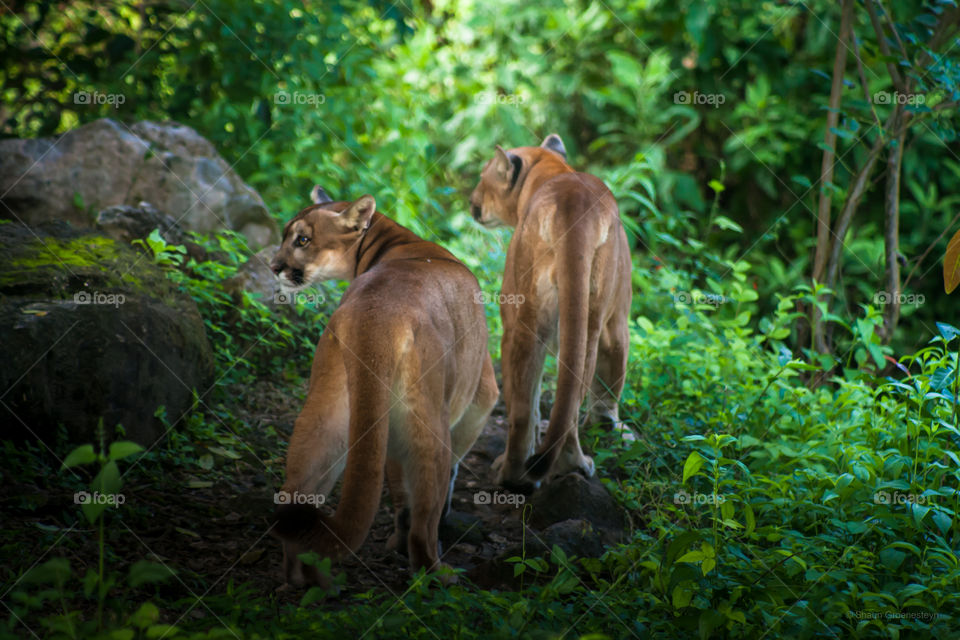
(891, 313)
(826, 169)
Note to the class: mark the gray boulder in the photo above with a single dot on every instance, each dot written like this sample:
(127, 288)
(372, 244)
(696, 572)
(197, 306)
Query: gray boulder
(106, 163)
(125, 223)
(90, 329)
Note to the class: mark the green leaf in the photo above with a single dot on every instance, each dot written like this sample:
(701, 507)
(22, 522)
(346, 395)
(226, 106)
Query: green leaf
(682, 594)
(727, 224)
(948, 331)
(749, 519)
(708, 565)
(83, 454)
(146, 615)
(680, 544)
(943, 521)
(557, 554)
(716, 185)
(918, 511)
(90, 581)
(53, 571)
(123, 449)
(942, 378)
(692, 556)
(108, 480)
(159, 631)
(145, 571)
(313, 594)
(226, 453)
(692, 466)
(726, 510)
(892, 559)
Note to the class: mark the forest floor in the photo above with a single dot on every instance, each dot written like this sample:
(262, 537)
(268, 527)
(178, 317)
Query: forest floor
(211, 525)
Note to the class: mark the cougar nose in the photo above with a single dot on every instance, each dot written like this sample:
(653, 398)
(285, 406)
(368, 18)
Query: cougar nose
(276, 268)
(475, 212)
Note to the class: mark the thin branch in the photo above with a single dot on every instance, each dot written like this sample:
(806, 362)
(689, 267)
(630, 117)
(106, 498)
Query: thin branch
(830, 140)
(893, 29)
(849, 208)
(863, 79)
(884, 48)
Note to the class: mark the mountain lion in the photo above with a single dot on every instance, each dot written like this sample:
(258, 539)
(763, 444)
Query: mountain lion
(401, 384)
(566, 289)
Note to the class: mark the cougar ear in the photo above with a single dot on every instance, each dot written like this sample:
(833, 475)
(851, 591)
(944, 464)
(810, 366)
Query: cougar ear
(319, 196)
(507, 166)
(554, 143)
(358, 214)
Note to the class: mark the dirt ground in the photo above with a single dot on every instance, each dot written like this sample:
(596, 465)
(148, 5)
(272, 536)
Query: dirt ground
(215, 532)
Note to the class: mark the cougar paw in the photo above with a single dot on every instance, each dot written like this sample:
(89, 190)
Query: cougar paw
(587, 468)
(583, 465)
(515, 480)
(626, 433)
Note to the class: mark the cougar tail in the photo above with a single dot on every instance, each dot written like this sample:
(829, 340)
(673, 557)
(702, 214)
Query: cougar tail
(573, 279)
(370, 403)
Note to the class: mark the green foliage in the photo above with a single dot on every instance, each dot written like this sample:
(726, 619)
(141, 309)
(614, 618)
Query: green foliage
(761, 505)
(54, 584)
(250, 336)
(770, 506)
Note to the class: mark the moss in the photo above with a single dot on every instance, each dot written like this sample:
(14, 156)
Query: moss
(88, 251)
(58, 261)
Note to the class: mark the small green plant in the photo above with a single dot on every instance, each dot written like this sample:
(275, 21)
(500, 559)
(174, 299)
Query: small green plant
(59, 586)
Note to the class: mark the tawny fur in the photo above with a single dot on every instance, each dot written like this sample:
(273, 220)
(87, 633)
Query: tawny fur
(566, 288)
(401, 384)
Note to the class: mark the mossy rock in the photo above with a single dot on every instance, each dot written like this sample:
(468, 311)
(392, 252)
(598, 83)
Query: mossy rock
(90, 329)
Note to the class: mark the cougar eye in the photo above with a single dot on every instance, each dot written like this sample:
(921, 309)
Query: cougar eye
(301, 241)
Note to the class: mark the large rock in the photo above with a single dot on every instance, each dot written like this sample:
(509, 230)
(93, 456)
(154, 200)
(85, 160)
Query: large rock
(105, 163)
(91, 329)
(255, 277)
(125, 223)
(573, 497)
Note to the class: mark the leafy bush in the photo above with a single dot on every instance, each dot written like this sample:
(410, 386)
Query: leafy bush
(761, 503)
